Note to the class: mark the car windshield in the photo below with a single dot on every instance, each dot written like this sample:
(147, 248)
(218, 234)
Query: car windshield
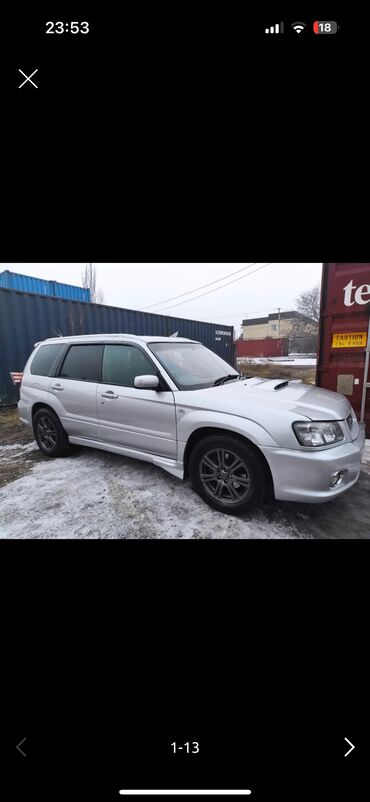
(191, 365)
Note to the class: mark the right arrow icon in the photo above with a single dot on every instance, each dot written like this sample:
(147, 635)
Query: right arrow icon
(352, 747)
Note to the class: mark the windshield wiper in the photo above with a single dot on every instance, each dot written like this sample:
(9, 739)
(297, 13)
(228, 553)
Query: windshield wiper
(227, 378)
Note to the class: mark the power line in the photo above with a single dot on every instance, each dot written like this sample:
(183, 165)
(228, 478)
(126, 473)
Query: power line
(216, 288)
(198, 288)
(257, 312)
(285, 308)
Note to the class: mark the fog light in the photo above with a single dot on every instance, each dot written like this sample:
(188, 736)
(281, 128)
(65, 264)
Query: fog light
(336, 479)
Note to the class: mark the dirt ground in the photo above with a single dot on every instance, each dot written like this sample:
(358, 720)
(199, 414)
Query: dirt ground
(272, 370)
(11, 429)
(17, 447)
(94, 494)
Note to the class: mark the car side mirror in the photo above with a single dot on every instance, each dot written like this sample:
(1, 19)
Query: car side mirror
(146, 382)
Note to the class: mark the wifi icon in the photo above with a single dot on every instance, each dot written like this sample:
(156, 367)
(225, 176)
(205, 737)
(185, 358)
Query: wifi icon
(298, 27)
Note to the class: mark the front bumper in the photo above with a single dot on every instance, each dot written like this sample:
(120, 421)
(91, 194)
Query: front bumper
(305, 475)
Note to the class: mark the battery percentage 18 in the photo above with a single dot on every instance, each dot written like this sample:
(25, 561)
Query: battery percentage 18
(325, 27)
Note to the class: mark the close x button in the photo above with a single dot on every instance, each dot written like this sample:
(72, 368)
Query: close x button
(28, 78)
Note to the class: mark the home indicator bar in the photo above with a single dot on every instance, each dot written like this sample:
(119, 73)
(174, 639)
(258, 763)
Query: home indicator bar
(186, 792)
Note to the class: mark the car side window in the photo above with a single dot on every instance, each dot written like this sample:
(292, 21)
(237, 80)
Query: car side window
(82, 363)
(45, 359)
(121, 363)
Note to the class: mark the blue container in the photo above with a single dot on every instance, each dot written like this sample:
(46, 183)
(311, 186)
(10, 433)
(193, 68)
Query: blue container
(16, 281)
(27, 318)
(70, 292)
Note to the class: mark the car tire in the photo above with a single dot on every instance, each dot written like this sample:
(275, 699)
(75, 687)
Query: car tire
(227, 474)
(50, 436)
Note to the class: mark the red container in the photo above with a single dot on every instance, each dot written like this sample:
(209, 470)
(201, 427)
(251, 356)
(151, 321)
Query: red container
(269, 346)
(344, 335)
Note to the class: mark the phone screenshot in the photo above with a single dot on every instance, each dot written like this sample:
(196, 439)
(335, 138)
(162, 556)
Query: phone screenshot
(184, 430)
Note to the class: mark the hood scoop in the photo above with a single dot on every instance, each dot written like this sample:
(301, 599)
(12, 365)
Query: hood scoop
(281, 385)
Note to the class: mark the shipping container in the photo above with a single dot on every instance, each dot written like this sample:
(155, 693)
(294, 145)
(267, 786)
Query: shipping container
(16, 281)
(269, 346)
(27, 318)
(9, 392)
(344, 334)
(69, 291)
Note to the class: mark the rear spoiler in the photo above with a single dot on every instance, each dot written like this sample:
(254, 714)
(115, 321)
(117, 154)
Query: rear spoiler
(58, 333)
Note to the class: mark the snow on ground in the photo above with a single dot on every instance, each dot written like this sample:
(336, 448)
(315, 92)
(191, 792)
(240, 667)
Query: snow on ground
(294, 362)
(299, 362)
(18, 447)
(366, 456)
(17, 450)
(94, 494)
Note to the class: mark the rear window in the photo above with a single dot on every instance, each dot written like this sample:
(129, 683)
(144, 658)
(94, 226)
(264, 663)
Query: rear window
(83, 362)
(45, 358)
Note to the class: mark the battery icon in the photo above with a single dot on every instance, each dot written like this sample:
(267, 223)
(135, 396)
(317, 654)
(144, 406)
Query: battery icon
(324, 26)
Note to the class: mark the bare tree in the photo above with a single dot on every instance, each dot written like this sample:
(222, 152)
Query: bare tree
(308, 303)
(304, 329)
(88, 278)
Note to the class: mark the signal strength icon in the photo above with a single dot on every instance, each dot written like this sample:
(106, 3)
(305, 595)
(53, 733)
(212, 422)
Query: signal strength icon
(278, 28)
(298, 27)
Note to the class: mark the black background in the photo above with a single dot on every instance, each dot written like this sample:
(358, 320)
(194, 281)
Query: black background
(258, 650)
(183, 132)
(201, 141)
(278, 762)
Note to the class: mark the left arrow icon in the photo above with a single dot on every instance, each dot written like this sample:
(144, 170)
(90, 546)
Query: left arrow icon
(19, 747)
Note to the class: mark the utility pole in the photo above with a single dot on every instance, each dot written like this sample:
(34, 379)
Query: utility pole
(278, 308)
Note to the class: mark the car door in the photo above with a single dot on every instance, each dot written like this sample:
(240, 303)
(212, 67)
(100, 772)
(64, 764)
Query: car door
(136, 418)
(75, 390)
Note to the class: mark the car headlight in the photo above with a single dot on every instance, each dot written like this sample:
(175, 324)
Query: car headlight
(321, 433)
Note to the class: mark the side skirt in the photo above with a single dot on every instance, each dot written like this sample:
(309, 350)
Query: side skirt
(170, 465)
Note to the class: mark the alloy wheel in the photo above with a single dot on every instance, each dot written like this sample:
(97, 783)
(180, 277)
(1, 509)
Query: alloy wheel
(224, 475)
(47, 433)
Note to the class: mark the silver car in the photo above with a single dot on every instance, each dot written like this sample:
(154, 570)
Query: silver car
(174, 403)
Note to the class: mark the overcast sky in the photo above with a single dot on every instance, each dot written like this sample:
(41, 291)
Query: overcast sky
(137, 286)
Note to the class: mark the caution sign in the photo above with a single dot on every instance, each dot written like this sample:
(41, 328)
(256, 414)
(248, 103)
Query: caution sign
(352, 339)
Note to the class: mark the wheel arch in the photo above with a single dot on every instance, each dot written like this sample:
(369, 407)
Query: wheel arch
(62, 446)
(43, 405)
(210, 431)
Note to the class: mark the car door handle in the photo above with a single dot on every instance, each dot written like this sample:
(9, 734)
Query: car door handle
(57, 387)
(109, 394)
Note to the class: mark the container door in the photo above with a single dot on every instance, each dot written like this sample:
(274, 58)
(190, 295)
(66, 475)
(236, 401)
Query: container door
(365, 400)
(140, 419)
(344, 333)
